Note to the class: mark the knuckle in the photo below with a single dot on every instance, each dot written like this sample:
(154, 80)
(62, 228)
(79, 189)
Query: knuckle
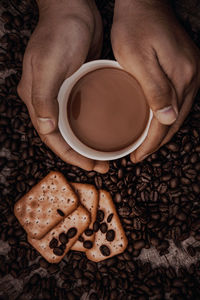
(190, 71)
(20, 91)
(37, 101)
(159, 93)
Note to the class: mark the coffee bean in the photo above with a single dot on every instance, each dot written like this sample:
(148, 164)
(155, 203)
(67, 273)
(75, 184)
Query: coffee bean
(96, 226)
(109, 218)
(87, 244)
(172, 147)
(117, 198)
(53, 243)
(80, 239)
(100, 215)
(174, 183)
(63, 238)
(88, 232)
(43, 263)
(58, 251)
(98, 182)
(181, 216)
(93, 296)
(71, 232)
(103, 227)
(120, 173)
(53, 268)
(138, 245)
(60, 212)
(110, 235)
(105, 251)
(191, 250)
(196, 188)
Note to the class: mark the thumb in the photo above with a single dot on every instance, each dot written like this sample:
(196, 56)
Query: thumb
(159, 91)
(46, 82)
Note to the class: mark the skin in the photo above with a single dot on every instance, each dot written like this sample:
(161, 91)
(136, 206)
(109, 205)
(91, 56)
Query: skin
(147, 41)
(68, 33)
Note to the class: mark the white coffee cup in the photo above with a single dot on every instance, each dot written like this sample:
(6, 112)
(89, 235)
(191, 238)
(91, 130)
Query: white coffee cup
(63, 123)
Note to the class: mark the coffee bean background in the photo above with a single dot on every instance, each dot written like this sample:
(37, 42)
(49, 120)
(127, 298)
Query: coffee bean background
(157, 200)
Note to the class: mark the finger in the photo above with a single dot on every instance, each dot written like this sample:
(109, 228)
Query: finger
(159, 92)
(25, 85)
(186, 107)
(101, 166)
(54, 140)
(46, 80)
(156, 134)
(59, 146)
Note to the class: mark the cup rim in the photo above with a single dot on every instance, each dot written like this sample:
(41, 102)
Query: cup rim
(63, 123)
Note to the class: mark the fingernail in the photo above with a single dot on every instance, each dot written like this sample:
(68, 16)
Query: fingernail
(166, 115)
(45, 125)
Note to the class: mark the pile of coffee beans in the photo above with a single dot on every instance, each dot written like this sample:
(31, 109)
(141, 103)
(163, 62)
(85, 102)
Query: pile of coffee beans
(157, 200)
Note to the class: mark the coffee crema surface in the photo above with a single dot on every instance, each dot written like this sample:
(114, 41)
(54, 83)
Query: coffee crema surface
(107, 109)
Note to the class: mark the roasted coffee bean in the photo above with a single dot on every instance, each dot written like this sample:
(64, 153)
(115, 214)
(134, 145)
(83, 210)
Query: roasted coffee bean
(96, 226)
(98, 182)
(60, 212)
(53, 268)
(63, 238)
(53, 243)
(88, 232)
(87, 244)
(71, 232)
(80, 239)
(117, 198)
(58, 251)
(110, 235)
(103, 227)
(100, 215)
(43, 263)
(181, 216)
(191, 250)
(138, 245)
(109, 218)
(105, 251)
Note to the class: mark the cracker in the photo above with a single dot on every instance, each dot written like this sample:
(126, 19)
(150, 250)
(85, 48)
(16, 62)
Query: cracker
(108, 222)
(51, 244)
(89, 198)
(45, 205)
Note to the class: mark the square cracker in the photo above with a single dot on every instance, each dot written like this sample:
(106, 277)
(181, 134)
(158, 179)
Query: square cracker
(89, 198)
(119, 244)
(45, 205)
(80, 219)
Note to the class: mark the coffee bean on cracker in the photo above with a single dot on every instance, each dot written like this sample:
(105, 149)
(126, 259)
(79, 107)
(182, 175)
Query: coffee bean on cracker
(62, 247)
(58, 251)
(103, 227)
(53, 243)
(63, 238)
(81, 239)
(104, 250)
(96, 226)
(71, 232)
(87, 244)
(60, 212)
(110, 235)
(100, 215)
(109, 219)
(88, 232)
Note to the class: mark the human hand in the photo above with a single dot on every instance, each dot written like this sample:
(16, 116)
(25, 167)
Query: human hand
(149, 43)
(68, 33)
